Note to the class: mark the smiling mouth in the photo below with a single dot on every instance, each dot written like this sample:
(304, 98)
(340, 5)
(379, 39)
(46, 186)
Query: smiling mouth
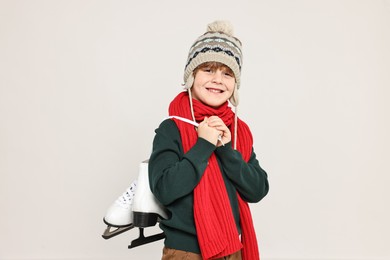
(214, 90)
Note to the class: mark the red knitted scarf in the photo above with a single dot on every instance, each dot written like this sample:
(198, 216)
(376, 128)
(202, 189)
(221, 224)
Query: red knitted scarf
(216, 229)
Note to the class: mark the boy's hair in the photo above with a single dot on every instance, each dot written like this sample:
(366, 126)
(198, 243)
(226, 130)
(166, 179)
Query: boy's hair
(213, 65)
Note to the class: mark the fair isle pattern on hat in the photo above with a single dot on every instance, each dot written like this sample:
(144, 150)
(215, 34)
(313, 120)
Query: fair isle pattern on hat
(217, 44)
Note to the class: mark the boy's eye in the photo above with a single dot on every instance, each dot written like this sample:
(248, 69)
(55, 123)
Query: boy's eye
(228, 74)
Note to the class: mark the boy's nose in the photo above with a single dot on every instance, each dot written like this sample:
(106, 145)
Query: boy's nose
(217, 77)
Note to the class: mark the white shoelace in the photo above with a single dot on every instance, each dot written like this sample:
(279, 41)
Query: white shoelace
(195, 124)
(126, 198)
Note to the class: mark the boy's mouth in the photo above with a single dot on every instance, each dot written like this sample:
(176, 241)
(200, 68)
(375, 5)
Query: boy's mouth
(214, 90)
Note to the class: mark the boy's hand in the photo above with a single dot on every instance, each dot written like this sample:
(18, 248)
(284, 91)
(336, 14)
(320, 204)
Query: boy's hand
(217, 123)
(207, 132)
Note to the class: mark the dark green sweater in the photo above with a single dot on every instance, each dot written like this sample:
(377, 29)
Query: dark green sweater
(173, 176)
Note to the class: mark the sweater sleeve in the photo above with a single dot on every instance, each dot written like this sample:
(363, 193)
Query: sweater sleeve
(250, 180)
(173, 174)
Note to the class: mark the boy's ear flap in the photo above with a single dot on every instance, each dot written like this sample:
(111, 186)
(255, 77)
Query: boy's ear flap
(190, 81)
(234, 98)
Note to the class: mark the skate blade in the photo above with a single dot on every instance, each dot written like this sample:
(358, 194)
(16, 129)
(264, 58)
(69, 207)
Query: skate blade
(108, 233)
(142, 240)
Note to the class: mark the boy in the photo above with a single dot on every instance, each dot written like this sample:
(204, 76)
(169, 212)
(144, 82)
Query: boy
(206, 175)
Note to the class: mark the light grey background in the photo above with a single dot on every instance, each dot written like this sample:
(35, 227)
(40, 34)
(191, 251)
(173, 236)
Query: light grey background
(83, 85)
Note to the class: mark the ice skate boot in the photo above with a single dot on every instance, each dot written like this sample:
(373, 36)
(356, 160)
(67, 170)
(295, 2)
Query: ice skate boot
(119, 216)
(146, 209)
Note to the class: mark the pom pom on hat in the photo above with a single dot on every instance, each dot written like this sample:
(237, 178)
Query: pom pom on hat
(218, 44)
(221, 26)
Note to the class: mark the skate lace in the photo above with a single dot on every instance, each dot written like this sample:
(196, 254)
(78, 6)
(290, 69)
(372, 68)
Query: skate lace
(127, 197)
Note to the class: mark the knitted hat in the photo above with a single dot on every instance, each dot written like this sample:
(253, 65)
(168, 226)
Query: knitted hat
(217, 44)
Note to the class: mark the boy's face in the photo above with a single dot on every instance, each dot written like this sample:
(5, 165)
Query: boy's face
(213, 86)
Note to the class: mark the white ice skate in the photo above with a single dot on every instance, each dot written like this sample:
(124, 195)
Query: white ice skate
(119, 216)
(136, 207)
(147, 211)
